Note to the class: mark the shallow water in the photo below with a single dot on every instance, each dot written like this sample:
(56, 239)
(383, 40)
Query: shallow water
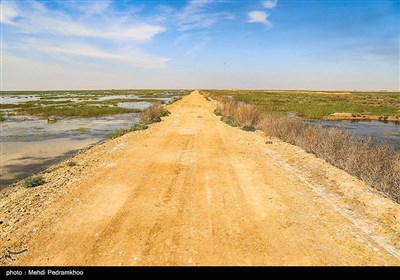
(380, 132)
(20, 159)
(141, 105)
(130, 96)
(30, 144)
(27, 128)
(73, 97)
(16, 99)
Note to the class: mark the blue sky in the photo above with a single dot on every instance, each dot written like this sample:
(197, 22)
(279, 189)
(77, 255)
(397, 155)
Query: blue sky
(257, 44)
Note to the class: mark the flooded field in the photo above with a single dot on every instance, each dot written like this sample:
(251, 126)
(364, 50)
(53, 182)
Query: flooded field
(29, 143)
(380, 132)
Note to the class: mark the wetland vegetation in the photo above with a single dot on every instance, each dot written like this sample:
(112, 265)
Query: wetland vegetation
(81, 103)
(82, 118)
(317, 104)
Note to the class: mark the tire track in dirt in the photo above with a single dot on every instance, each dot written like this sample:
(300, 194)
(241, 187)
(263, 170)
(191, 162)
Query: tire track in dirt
(193, 191)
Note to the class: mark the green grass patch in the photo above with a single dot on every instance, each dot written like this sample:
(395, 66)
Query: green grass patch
(174, 99)
(66, 109)
(75, 110)
(82, 129)
(229, 120)
(33, 181)
(218, 112)
(315, 105)
(248, 128)
(121, 131)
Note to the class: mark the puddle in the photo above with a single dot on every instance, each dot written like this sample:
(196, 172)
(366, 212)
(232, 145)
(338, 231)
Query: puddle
(55, 100)
(110, 97)
(17, 99)
(141, 105)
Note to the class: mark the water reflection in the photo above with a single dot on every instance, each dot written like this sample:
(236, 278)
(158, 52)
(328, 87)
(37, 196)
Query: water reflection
(26, 128)
(380, 132)
(30, 144)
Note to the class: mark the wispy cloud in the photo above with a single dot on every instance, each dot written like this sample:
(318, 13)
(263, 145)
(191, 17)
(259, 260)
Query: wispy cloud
(270, 4)
(137, 58)
(258, 17)
(8, 12)
(198, 46)
(195, 21)
(194, 16)
(181, 39)
(193, 42)
(36, 18)
(198, 14)
(91, 8)
(92, 29)
(72, 50)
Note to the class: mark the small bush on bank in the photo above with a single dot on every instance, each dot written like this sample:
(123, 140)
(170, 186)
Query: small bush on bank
(153, 114)
(248, 128)
(121, 131)
(218, 112)
(229, 120)
(33, 181)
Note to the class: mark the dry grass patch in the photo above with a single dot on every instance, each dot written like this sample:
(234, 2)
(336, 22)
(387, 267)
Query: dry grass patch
(153, 114)
(376, 165)
(247, 115)
(239, 114)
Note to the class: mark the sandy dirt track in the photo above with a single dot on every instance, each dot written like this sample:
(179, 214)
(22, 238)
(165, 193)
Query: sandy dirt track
(192, 190)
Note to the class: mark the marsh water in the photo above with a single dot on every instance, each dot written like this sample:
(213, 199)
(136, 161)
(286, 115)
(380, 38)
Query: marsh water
(30, 144)
(378, 131)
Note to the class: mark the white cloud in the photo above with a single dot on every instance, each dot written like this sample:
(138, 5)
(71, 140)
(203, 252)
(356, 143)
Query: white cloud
(270, 4)
(258, 17)
(94, 8)
(37, 19)
(139, 32)
(135, 57)
(8, 12)
(82, 50)
(73, 32)
(194, 15)
(198, 15)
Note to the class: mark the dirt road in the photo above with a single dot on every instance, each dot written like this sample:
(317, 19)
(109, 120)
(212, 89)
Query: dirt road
(192, 190)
